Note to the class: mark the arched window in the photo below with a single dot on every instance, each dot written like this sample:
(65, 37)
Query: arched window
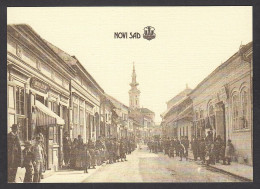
(235, 107)
(244, 108)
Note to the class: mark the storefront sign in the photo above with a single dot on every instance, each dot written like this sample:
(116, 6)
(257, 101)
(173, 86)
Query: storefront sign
(39, 85)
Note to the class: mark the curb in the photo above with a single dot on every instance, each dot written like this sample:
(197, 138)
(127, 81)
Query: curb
(232, 174)
(226, 172)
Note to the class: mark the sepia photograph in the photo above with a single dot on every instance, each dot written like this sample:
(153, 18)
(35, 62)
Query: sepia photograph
(160, 94)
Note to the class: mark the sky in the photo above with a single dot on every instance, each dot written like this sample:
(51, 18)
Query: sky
(190, 43)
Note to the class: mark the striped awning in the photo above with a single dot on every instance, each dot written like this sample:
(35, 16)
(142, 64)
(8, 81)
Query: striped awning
(45, 116)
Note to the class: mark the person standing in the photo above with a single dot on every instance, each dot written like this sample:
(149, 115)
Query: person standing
(67, 144)
(38, 155)
(195, 147)
(14, 153)
(74, 153)
(91, 148)
(229, 152)
(202, 150)
(217, 148)
(186, 144)
(28, 162)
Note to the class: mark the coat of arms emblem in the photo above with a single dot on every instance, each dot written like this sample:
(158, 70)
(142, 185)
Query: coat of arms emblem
(149, 33)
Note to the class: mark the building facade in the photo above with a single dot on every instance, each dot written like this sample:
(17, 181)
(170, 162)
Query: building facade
(223, 103)
(38, 90)
(177, 119)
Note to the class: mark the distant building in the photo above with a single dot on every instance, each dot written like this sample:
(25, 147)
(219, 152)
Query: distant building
(177, 119)
(143, 118)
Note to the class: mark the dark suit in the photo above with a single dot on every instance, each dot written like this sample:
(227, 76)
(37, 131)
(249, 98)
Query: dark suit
(14, 155)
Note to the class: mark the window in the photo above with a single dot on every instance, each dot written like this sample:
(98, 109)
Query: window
(244, 103)
(81, 116)
(75, 114)
(11, 97)
(20, 100)
(81, 121)
(235, 106)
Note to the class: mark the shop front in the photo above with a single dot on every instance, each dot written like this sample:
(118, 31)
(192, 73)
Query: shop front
(50, 126)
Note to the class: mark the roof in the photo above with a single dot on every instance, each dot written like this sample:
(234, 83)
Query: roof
(28, 29)
(146, 110)
(182, 94)
(243, 49)
(116, 102)
(175, 105)
(63, 55)
(72, 61)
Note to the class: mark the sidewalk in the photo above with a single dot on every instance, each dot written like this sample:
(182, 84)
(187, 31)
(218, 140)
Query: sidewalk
(235, 169)
(70, 176)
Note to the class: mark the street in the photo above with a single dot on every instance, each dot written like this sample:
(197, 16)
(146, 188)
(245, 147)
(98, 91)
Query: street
(143, 166)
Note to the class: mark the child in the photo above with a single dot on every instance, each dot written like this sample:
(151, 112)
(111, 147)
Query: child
(28, 162)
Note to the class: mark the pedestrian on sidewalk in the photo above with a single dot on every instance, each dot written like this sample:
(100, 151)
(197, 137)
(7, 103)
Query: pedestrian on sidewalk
(186, 144)
(229, 152)
(38, 155)
(74, 153)
(202, 150)
(217, 148)
(181, 150)
(67, 145)
(91, 147)
(28, 162)
(14, 153)
(171, 148)
(195, 147)
(87, 158)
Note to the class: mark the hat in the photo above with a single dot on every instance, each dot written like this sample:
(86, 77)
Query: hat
(14, 126)
(38, 138)
(27, 143)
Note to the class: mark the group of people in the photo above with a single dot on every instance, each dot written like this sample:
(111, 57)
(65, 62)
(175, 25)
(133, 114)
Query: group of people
(76, 155)
(171, 147)
(209, 150)
(83, 156)
(32, 157)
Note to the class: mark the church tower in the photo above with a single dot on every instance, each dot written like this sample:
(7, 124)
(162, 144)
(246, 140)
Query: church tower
(134, 93)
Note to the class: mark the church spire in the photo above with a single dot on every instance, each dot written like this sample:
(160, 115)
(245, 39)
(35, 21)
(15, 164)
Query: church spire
(134, 83)
(134, 93)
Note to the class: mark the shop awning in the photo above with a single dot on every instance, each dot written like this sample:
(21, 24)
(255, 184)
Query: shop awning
(49, 112)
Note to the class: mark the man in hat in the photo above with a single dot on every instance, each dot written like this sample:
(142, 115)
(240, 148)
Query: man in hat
(14, 153)
(28, 162)
(38, 155)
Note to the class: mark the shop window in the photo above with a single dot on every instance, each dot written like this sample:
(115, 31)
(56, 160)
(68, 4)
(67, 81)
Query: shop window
(20, 100)
(235, 106)
(11, 97)
(244, 103)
